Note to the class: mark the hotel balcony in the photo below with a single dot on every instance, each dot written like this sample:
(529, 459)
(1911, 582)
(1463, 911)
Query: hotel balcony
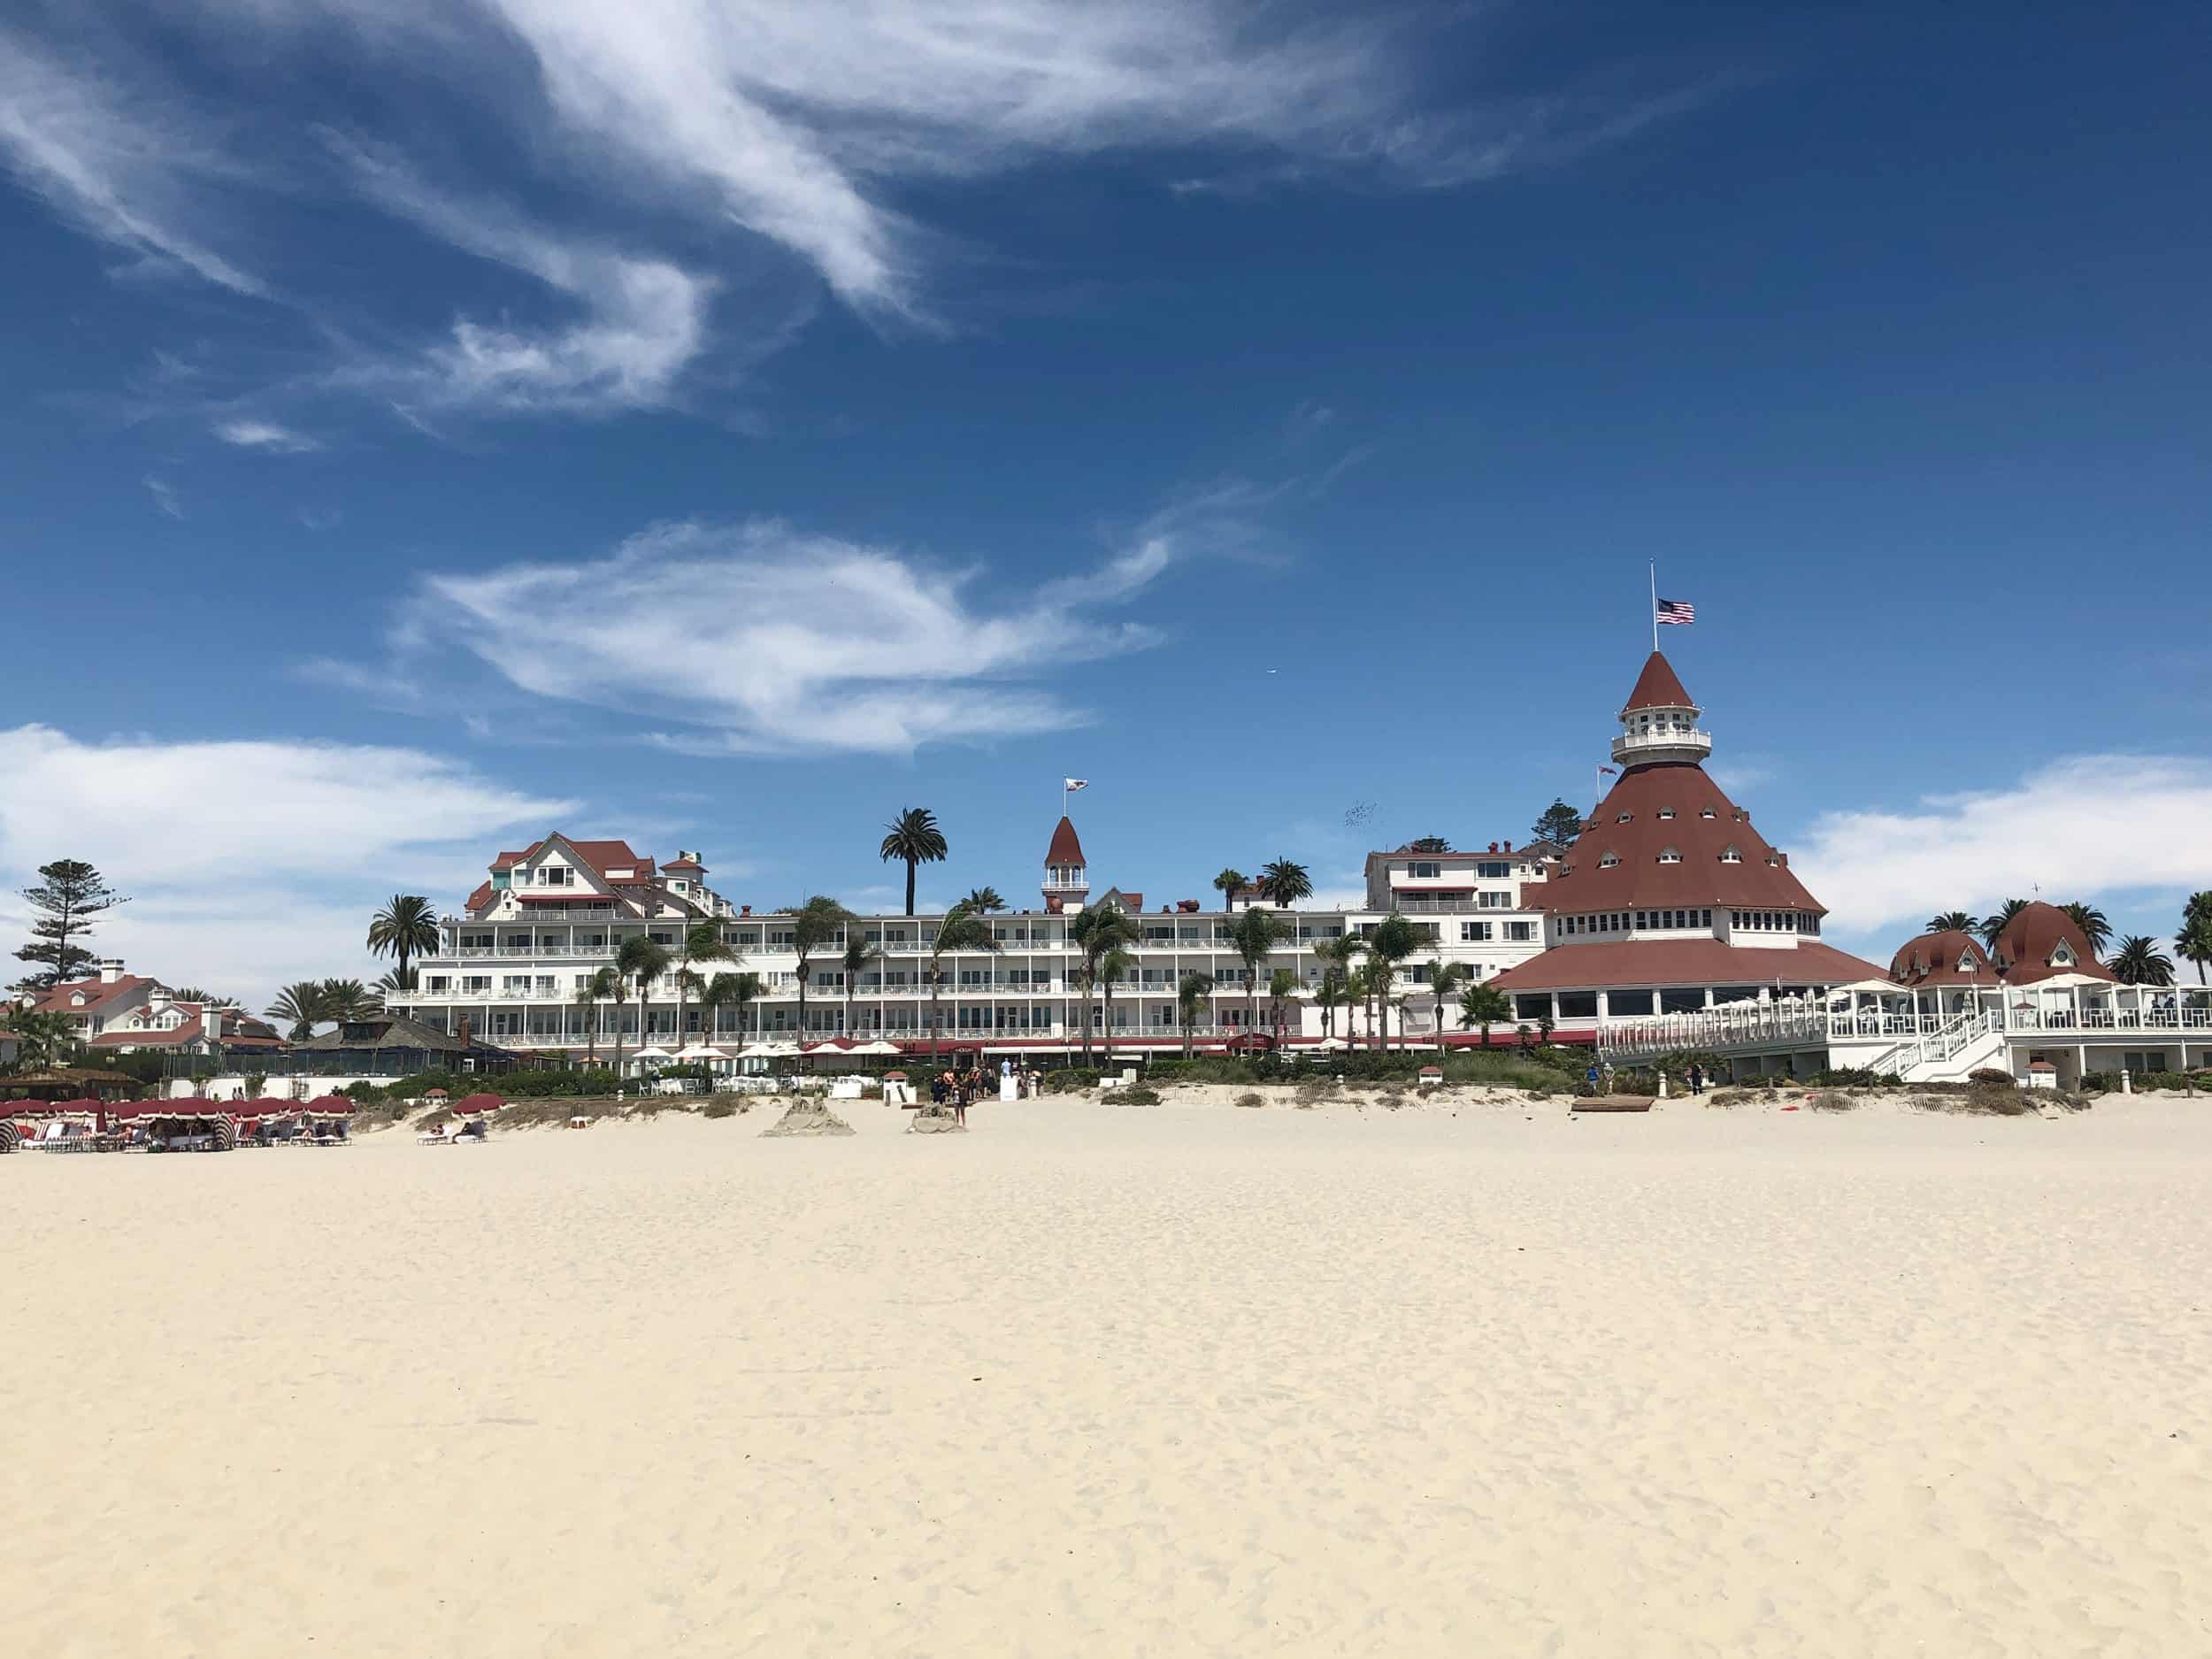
(1678, 742)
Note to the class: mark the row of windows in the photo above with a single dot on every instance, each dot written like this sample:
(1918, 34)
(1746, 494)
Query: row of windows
(1671, 856)
(1774, 921)
(1498, 870)
(1484, 932)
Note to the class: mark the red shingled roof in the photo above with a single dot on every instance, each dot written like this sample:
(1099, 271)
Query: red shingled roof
(1639, 963)
(2025, 948)
(96, 995)
(1934, 958)
(1657, 687)
(1584, 883)
(1065, 849)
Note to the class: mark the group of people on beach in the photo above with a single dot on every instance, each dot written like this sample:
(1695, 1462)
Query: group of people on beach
(958, 1087)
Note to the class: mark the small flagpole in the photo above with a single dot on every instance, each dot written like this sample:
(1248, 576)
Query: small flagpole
(1654, 604)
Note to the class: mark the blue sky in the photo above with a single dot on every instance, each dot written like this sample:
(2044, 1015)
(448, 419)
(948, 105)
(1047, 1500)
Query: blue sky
(724, 425)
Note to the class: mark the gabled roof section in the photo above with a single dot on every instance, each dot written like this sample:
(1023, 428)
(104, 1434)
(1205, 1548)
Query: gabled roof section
(1065, 849)
(1934, 959)
(1669, 806)
(1657, 687)
(2029, 947)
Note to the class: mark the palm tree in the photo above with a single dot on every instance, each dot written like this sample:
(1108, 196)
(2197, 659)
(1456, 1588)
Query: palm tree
(1338, 953)
(1484, 1006)
(2094, 928)
(1112, 967)
(715, 995)
(1190, 991)
(1252, 938)
(41, 1040)
(1393, 940)
(1081, 983)
(818, 922)
(1284, 883)
(961, 930)
(2194, 940)
(860, 955)
(614, 985)
(1994, 926)
(642, 962)
(2140, 962)
(348, 999)
(395, 982)
(702, 942)
(604, 985)
(915, 838)
(193, 994)
(1281, 986)
(1328, 991)
(1950, 922)
(1445, 980)
(1099, 931)
(408, 926)
(301, 1002)
(1229, 883)
(743, 993)
(983, 900)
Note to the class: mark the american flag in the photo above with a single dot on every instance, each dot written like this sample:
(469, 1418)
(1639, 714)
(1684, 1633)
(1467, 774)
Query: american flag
(1681, 612)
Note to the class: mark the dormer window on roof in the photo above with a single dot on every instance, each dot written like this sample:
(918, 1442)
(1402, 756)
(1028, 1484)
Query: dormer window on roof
(1668, 855)
(1625, 817)
(1609, 861)
(1709, 812)
(1730, 856)
(2062, 957)
(1666, 812)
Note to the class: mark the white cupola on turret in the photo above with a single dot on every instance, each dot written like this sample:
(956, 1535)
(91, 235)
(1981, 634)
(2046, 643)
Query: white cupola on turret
(1660, 722)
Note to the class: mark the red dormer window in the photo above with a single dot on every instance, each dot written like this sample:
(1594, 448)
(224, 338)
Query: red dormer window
(1668, 855)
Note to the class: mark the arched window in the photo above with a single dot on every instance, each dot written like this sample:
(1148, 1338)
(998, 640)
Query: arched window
(1709, 812)
(1668, 855)
(1666, 812)
(1730, 856)
(1625, 817)
(1609, 861)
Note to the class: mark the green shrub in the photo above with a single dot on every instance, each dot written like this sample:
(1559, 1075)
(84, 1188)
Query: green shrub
(1250, 1097)
(718, 1108)
(1848, 1076)
(1136, 1096)
(1070, 1079)
(1992, 1077)
(1832, 1100)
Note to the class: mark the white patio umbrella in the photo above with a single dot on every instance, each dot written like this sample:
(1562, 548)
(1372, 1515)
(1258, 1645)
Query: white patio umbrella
(702, 1051)
(768, 1051)
(655, 1052)
(879, 1047)
(1333, 1043)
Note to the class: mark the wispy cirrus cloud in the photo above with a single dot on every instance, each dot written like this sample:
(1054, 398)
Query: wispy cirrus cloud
(644, 159)
(761, 637)
(266, 436)
(164, 496)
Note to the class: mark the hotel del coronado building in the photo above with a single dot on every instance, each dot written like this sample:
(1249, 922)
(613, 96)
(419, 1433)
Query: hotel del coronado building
(1670, 923)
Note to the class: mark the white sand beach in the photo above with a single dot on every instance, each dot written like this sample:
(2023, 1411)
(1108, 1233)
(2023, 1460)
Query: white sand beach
(1124, 1380)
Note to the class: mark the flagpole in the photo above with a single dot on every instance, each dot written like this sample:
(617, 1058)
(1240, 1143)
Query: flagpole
(1654, 604)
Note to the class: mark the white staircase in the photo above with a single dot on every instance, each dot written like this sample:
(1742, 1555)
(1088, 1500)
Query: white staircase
(1948, 1053)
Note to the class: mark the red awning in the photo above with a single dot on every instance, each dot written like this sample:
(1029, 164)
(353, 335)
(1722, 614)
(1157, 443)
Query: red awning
(476, 1105)
(330, 1105)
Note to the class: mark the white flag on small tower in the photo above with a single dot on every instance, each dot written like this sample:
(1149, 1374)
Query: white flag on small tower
(1073, 784)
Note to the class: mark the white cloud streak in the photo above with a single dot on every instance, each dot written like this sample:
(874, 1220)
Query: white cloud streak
(656, 123)
(114, 162)
(250, 864)
(2080, 828)
(165, 496)
(265, 435)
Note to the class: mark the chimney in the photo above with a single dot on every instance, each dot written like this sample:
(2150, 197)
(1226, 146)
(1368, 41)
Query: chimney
(744, 909)
(1494, 846)
(1784, 857)
(466, 1031)
(111, 970)
(212, 1021)
(1505, 847)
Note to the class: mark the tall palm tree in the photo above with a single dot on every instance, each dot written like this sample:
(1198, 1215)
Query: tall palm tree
(1328, 991)
(1100, 931)
(1252, 938)
(2140, 961)
(1444, 983)
(614, 985)
(2194, 940)
(1191, 992)
(1994, 926)
(41, 1040)
(860, 955)
(605, 984)
(1483, 1006)
(961, 931)
(642, 962)
(1282, 985)
(2095, 927)
(744, 995)
(1950, 922)
(702, 942)
(406, 928)
(984, 900)
(1284, 883)
(915, 839)
(193, 994)
(815, 924)
(1229, 883)
(1112, 968)
(1081, 983)
(715, 995)
(1393, 940)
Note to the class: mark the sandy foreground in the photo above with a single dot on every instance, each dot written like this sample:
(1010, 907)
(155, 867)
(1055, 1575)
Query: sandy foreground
(1126, 1380)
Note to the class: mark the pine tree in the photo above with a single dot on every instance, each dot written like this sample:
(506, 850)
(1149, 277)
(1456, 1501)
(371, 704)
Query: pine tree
(69, 896)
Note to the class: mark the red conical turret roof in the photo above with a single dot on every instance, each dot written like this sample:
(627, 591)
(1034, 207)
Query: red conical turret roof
(1065, 849)
(1657, 687)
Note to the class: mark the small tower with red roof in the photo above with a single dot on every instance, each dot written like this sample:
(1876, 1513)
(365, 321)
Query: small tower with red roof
(1660, 722)
(1067, 878)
